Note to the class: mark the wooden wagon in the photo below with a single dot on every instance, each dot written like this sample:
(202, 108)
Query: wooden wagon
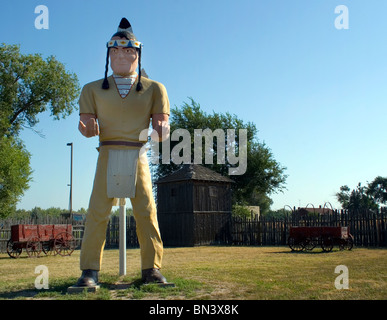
(35, 238)
(307, 238)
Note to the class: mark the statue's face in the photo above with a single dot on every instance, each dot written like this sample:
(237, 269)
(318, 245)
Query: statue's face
(123, 61)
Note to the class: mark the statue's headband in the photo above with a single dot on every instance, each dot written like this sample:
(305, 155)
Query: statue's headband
(124, 43)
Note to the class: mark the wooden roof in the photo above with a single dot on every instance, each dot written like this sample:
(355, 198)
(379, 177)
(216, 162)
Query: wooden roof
(194, 172)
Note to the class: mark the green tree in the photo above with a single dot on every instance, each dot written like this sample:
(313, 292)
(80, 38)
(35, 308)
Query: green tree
(15, 174)
(54, 211)
(378, 190)
(29, 85)
(263, 176)
(257, 198)
(343, 196)
(81, 211)
(116, 212)
(360, 198)
(278, 214)
(240, 211)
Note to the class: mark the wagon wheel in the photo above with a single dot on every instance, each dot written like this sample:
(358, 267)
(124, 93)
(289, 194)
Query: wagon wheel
(310, 244)
(13, 250)
(327, 244)
(347, 244)
(34, 247)
(47, 247)
(295, 244)
(64, 244)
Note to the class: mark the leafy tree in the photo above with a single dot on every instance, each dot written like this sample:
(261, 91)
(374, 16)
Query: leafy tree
(116, 212)
(378, 189)
(29, 85)
(343, 196)
(278, 214)
(240, 211)
(15, 173)
(361, 200)
(39, 213)
(263, 175)
(260, 199)
(54, 211)
(81, 211)
(366, 197)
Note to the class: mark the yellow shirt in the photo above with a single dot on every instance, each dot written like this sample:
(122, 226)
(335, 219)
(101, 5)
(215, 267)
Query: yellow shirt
(122, 119)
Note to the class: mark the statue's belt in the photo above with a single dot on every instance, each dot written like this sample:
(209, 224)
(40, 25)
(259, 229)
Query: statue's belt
(121, 143)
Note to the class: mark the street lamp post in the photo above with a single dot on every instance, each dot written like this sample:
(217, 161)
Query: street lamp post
(71, 181)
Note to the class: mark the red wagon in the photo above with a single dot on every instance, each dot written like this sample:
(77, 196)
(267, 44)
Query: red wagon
(307, 238)
(35, 238)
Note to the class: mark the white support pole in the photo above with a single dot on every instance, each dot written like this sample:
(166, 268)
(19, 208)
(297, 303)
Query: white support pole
(122, 237)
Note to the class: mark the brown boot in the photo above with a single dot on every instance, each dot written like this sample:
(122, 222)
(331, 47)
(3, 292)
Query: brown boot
(153, 275)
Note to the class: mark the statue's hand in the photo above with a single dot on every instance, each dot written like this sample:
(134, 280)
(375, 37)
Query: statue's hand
(90, 129)
(160, 123)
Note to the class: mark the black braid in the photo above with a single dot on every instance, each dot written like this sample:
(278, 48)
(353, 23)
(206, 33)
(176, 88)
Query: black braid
(105, 84)
(139, 84)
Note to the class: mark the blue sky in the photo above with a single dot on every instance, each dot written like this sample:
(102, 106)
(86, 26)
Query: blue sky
(317, 94)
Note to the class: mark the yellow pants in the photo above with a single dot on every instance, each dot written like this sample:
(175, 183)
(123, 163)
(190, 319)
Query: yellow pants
(100, 206)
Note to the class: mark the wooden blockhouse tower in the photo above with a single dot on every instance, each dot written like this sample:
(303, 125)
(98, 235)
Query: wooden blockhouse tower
(194, 207)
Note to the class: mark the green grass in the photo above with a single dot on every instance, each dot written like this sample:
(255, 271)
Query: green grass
(209, 273)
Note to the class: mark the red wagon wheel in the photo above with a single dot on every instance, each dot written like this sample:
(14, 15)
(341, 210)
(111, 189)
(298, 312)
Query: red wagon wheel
(47, 248)
(310, 244)
(327, 244)
(34, 247)
(347, 244)
(64, 244)
(295, 244)
(13, 249)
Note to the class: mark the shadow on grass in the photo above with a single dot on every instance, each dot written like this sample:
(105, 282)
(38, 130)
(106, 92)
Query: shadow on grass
(314, 251)
(298, 252)
(136, 284)
(109, 289)
(57, 290)
(20, 257)
(29, 293)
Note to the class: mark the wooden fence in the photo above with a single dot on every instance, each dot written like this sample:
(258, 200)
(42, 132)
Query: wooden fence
(113, 233)
(368, 228)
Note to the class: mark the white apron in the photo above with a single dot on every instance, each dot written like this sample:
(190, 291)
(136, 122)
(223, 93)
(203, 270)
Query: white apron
(122, 173)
